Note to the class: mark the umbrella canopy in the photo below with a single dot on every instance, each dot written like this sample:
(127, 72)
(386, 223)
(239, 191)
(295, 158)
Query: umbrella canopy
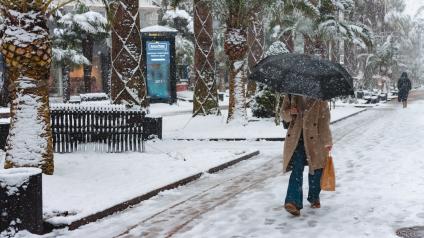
(305, 75)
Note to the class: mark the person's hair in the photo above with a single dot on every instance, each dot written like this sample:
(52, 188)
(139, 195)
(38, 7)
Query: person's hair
(404, 75)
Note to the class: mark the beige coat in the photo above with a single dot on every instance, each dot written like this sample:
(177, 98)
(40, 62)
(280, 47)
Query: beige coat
(314, 119)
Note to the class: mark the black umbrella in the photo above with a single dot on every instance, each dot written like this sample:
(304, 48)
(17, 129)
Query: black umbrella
(301, 74)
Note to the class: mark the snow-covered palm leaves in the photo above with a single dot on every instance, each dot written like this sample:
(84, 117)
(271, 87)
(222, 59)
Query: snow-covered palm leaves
(385, 55)
(87, 27)
(321, 21)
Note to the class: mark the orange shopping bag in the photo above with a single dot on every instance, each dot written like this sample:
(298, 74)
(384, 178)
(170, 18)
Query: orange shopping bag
(328, 179)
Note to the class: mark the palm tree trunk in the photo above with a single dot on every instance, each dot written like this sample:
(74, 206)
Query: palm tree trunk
(350, 58)
(28, 57)
(205, 101)
(287, 39)
(5, 91)
(308, 46)
(106, 72)
(235, 47)
(66, 83)
(127, 81)
(87, 51)
(256, 44)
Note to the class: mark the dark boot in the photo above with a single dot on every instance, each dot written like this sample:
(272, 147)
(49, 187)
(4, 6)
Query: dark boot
(292, 209)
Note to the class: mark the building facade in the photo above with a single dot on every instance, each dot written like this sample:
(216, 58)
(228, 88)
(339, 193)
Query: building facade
(101, 62)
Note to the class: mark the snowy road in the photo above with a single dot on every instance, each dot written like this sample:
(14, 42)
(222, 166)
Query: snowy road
(380, 188)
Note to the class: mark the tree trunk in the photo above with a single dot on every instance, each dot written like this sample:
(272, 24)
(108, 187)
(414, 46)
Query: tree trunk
(205, 101)
(66, 83)
(256, 44)
(278, 108)
(287, 39)
(333, 51)
(127, 81)
(106, 72)
(350, 58)
(87, 50)
(308, 45)
(161, 12)
(5, 91)
(28, 57)
(235, 47)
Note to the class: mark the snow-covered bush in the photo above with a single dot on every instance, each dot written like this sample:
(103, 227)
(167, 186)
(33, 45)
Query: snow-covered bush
(181, 20)
(265, 100)
(276, 48)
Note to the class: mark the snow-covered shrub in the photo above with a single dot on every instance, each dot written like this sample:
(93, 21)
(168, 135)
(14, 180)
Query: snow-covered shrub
(181, 20)
(263, 105)
(276, 48)
(184, 50)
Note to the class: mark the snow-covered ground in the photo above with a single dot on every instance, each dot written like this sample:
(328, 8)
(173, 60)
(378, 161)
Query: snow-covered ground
(378, 159)
(86, 183)
(380, 186)
(186, 127)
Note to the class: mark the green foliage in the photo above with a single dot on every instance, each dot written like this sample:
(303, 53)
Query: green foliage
(263, 105)
(69, 31)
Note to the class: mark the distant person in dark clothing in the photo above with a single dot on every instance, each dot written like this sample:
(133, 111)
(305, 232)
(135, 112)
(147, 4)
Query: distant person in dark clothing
(404, 86)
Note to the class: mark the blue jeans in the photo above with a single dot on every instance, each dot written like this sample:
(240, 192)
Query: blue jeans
(295, 191)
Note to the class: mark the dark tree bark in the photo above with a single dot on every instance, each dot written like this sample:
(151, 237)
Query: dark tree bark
(256, 44)
(106, 64)
(87, 50)
(66, 83)
(205, 101)
(127, 81)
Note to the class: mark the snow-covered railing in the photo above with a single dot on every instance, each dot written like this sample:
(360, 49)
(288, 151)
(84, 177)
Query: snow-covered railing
(107, 128)
(89, 97)
(93, 107)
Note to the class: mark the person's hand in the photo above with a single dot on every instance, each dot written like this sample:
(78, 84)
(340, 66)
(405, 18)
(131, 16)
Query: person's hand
(294, 111)
(329, 147)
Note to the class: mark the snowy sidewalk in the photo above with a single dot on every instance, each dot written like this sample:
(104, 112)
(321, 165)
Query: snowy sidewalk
(378, 159)
(184, 127)
(380, 187)
(88, 183)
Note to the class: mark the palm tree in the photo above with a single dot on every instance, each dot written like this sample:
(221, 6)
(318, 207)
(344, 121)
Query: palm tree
(256, 45)
(383, 60)
(67, 53)
(205, 101)
(128, 84)
(205, 98)
(237, 15)
(27, 47)
(91, 28)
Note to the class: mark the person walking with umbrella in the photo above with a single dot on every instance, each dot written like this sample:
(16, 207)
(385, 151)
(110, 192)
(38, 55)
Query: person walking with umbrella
(404, 86)
(308, 142)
